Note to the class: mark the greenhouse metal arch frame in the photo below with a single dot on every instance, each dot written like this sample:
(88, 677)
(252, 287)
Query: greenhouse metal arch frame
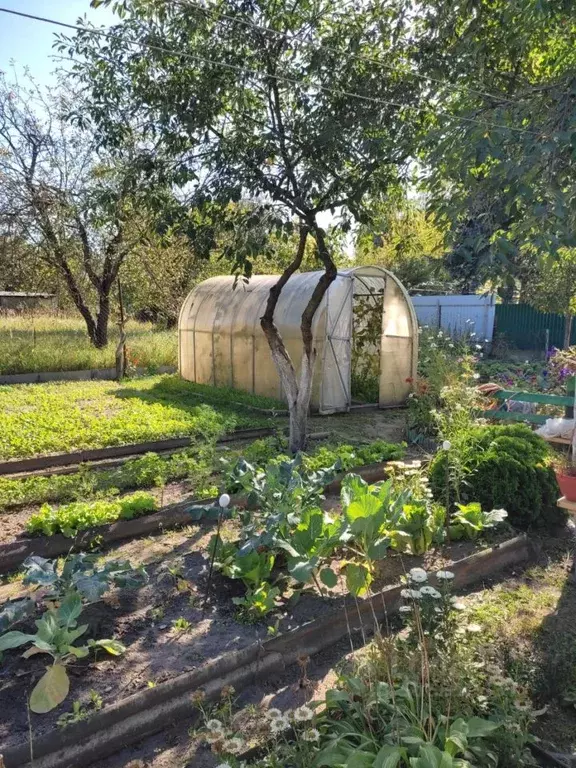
(222, 343)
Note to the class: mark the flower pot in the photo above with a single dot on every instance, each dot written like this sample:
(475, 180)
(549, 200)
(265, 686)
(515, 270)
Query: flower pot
(567, 485)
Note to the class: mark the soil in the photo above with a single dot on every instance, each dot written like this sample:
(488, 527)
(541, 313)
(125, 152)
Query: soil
(177, 564)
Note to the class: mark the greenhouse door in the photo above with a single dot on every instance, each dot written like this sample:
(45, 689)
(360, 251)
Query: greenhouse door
(396, 346)
(335, 387)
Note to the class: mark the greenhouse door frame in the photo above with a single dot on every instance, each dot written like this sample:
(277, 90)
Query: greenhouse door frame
(338, 344)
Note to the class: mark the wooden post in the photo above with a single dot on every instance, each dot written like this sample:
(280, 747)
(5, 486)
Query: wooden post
(121, 352)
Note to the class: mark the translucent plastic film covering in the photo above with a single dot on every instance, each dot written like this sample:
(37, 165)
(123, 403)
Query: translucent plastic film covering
(221, 342)
(399, 345)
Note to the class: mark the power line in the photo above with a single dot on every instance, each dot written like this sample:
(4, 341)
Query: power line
(247, 71)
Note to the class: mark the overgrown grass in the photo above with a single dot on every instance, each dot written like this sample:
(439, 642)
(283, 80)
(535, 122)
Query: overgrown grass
(31, 344)
(40, 419)
(530, 625)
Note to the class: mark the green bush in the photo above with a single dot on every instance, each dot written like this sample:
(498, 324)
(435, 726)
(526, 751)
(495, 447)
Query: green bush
(71, 518)
(505, 466)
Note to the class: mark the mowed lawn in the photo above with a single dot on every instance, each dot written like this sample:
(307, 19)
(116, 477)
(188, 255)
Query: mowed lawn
(38, 419)
(46, 342)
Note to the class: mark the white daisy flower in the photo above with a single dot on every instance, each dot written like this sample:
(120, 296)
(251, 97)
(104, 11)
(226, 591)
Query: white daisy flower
(405, 609)
(445, 575)
(214, 725)
(430, 592)
(279, 725)
(410, 594)
(312, 734)
(273, 713)
(418, 575)
(522, 706)
(303, 714)
(234, 746)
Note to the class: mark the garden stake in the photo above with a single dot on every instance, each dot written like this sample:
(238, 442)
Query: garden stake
(212, 558)
(223, 502)
(348, 625)
(361, 622)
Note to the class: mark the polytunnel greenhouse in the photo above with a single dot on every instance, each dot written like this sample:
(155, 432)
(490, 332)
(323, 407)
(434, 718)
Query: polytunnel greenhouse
(365, 328)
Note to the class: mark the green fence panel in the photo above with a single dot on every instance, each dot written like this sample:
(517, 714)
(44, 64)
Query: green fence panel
(525, 327)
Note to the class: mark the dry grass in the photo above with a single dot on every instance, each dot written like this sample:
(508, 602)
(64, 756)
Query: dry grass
(53, 342)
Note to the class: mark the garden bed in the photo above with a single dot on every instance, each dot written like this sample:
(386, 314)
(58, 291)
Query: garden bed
(217, 650)
(16, 546)
(72, 461)
(46, 419)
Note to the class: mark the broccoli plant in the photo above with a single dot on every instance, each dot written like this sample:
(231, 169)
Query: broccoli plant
(371, 513)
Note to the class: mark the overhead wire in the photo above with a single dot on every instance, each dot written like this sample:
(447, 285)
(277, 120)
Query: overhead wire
(359, 56)
(280, 78)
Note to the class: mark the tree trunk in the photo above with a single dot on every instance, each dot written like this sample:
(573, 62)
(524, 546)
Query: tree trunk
(567, 329)
(102, 318)
(298, 391)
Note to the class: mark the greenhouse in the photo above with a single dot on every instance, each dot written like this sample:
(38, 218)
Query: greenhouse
(365, 327)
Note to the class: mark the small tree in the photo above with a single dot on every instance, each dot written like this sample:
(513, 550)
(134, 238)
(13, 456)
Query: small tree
(266, 101)
(404, 240)
(554, 288)
(65, 197)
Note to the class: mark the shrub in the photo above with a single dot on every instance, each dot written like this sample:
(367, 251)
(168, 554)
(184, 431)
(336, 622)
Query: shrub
(505, 466)
(71, 518)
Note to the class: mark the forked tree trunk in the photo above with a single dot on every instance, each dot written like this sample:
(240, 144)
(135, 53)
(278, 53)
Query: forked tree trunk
(568, 317)
(298, 390)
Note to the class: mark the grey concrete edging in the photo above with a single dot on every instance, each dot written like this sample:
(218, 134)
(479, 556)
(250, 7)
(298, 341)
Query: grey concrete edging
(151, 710)
(92, 374)
(13, 553)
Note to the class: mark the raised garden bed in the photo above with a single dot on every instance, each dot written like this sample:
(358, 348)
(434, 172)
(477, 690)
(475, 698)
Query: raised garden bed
(14, 552)
(217, 652)
(74, 459)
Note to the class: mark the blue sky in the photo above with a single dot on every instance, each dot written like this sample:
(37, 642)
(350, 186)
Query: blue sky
(29, 43)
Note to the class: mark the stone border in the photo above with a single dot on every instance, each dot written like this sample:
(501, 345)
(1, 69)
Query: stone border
(148, 712)
(94, 374)
(15, 552)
